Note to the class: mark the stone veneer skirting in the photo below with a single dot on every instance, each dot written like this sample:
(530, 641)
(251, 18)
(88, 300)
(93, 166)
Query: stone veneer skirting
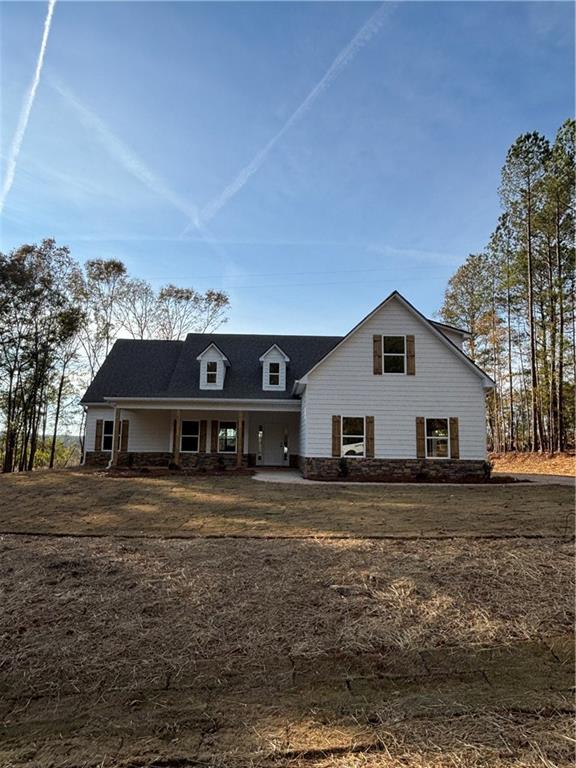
(395, 470)
(200, 461)
(383, 470)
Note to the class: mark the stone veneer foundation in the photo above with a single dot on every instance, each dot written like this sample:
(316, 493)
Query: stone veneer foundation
(200, 461)
(395, 470)
(375, 470)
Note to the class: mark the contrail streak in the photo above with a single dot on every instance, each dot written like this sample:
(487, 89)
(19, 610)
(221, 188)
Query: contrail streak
(344, 58)
(117, 149)
(26, 110)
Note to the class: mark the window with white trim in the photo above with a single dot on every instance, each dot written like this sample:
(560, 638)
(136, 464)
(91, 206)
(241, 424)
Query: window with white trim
(107, 435)
(274, 374)
(394, 354)
(437, 439)
(227, 436)
(211, 372)
(190, 436)
(353, 436)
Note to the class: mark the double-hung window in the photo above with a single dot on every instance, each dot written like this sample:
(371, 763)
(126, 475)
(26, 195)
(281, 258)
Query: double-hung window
(394, 354)
(274, 374)
(227, 437)
(353, 436)
(190, 436)
(107, 435)
(437, 439)
(211, 372)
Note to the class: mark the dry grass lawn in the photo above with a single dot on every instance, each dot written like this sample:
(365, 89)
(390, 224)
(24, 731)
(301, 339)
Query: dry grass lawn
(313, 645)
(88, 502)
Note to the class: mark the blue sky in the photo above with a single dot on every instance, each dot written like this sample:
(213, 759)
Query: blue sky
(146, 115)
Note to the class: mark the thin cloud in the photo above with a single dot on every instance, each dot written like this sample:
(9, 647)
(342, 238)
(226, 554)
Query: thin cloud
(344, 58)
(26, 110)
(117, 149)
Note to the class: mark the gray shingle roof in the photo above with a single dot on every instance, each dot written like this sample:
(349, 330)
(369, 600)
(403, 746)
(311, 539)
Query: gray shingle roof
(170, 369)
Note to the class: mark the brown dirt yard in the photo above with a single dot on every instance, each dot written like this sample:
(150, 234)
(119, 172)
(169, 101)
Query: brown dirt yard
(175, 622)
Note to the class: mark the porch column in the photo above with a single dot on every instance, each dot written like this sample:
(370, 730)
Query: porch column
(177, 438)
(115, 437)
(240, 439)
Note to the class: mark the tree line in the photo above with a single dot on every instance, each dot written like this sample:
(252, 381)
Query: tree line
(58, 321)
(517, 298)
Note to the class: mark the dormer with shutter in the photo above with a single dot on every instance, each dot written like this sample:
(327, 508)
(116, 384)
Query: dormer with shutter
(213, 364)
(274, 362)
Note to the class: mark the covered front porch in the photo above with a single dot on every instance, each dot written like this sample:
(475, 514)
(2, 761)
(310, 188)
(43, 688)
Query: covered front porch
(209, 436)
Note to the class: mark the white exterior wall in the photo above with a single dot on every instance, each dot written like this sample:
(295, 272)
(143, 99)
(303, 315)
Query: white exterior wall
(345, 385)
(93, 413)
(149, 431)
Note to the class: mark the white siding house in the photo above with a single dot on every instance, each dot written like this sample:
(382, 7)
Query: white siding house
(442, 386)
(396, 398)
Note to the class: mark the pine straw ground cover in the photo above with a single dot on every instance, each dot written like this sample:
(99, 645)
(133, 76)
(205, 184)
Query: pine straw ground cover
(277, 653)
(535, 463)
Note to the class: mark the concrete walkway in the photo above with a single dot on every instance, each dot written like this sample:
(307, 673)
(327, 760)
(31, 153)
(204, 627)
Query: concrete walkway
(293, 477)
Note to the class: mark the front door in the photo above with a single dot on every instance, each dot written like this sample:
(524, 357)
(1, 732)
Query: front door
(274, 445)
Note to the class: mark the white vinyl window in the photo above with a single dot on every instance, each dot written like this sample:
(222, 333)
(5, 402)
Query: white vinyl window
(274, 374)
(211, 372)
(190, 436)
(437, 438)
(227, 437)
(353, 431)
(107, 435)
(394, 354)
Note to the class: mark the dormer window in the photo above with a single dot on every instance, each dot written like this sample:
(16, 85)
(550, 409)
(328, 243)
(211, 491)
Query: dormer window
(274, 374)
(213, 363)
(211, 372)
(274, 362)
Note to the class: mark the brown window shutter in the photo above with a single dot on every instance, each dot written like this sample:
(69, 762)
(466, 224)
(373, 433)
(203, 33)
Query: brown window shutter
(454, 438)
(410, 356)
(124, 435)
(98, 438)
(336, 427)
(420, 438)
(214, 436)
(202, 439)
(369, 437)
(377, 354)
(174, 430)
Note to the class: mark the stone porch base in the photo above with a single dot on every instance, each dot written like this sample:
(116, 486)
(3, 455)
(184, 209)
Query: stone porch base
(199, 461)
(395, 470)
